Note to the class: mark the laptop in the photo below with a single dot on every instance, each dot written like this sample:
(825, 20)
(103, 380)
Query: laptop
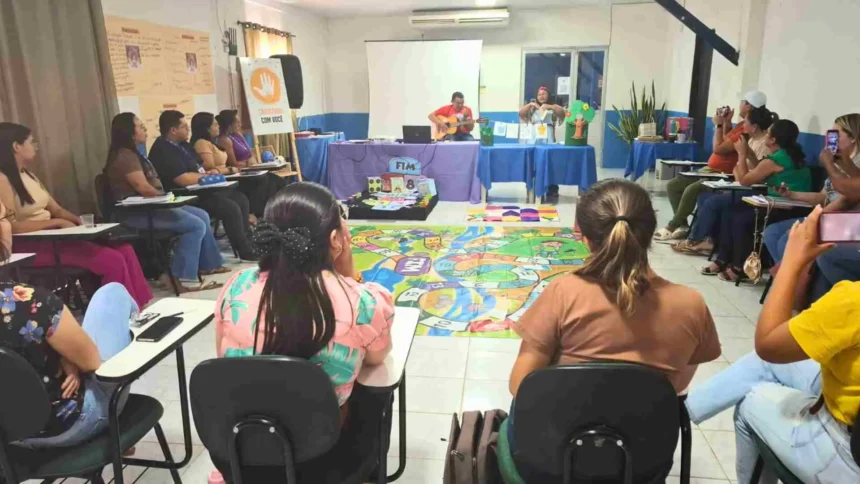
(416, 134)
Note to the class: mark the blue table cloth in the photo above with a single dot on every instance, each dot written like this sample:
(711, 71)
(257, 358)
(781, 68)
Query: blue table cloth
(506, 163)
(313, 155)
(564, 165)
(643, 156)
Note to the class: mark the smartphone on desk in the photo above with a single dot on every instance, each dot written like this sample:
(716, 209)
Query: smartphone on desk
(159, 329)
(839, 227)
(833, 141)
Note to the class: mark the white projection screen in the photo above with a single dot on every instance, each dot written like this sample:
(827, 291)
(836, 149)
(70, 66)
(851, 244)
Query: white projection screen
(407, 80)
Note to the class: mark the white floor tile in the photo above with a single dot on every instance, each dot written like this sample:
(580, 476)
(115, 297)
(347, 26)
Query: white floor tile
(441, 343)
(437, 363)
(724, 421)
(734, 327)
(723, 445)
(486, 395)
(171, 423)
(734, 349)
(484, 365)
(703, 462)
(419, 471)
(495, 345)
(426, 435)
(433, 395)
(198, 471)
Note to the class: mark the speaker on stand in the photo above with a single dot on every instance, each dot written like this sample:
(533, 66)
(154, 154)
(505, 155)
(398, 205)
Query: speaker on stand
(292, 69)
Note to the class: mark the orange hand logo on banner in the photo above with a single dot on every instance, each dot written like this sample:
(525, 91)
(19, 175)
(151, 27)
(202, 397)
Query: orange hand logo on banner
(265, 85)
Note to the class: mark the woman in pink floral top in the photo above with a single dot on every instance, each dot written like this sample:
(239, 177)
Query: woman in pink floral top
(304, 293)
(302, 301)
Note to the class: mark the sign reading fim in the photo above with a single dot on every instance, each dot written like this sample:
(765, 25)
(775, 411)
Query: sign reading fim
(404, 166)
(413, 266)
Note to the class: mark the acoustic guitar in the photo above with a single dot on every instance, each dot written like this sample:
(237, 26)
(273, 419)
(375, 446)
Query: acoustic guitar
(453, 124)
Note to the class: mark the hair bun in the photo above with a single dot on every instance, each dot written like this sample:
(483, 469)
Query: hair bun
(294, 242)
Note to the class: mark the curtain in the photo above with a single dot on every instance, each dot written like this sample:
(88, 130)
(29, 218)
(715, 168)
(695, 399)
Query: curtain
(262, 44)
(55, 78)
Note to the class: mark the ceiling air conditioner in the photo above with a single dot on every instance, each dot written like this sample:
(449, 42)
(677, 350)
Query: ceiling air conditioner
(437, 19)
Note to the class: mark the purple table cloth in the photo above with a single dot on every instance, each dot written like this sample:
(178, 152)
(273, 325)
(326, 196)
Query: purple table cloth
(454, 166)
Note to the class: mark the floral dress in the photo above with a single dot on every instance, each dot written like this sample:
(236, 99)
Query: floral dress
(29, 316)
(363, 314)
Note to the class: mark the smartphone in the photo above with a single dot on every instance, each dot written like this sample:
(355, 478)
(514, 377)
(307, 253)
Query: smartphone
(833, 141)
(839, 227)
(159, 329)
(722, 111)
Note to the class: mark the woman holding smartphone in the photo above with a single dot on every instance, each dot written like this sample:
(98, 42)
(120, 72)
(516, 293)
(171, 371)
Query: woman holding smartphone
(798, 392)
(838, 264)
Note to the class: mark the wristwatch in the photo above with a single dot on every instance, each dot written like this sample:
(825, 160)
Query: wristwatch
(719, 125)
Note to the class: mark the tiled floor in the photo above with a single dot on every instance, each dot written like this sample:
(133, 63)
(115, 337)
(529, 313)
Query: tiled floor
(447, 375)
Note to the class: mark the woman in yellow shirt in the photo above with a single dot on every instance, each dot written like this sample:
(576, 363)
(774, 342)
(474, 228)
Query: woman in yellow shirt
(800, 392)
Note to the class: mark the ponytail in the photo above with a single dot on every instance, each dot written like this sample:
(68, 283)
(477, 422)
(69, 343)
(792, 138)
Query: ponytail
(785, 133)
(617, 218)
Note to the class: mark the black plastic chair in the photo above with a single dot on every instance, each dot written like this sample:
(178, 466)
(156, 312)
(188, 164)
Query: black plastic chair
(24, 411)
(271, 411)
(768, 459)
(601, 423)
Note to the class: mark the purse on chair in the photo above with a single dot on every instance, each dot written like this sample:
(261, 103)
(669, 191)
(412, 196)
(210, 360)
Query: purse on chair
(752, 266)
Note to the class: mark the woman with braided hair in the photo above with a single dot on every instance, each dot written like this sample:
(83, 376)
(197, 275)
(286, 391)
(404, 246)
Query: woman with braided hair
(302, 301)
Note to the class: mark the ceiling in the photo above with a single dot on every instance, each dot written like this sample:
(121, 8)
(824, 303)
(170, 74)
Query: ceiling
(348, 8)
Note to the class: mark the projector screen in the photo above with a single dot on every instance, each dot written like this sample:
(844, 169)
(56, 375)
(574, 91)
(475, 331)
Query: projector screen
(409, 79)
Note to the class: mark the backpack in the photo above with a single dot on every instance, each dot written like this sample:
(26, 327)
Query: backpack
(472, 456)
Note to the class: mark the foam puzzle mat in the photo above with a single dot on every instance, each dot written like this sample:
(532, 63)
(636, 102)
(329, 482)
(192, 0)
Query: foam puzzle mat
(467, 280)
(511, 213)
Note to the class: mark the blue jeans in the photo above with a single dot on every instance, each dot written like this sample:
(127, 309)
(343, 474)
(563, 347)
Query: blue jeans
(196, 249)
(107, 324)
(776, 236)
(708, 215)
(773, 401)
(459, 136)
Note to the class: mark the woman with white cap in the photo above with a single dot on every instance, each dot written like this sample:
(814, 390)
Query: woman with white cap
(684, 192)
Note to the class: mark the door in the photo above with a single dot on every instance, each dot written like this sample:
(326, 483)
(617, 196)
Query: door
(590, 66)
(552, 68)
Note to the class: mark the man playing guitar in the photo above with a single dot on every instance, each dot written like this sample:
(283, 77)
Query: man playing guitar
(459, 110)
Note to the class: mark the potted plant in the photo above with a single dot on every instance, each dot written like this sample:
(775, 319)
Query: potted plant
(643, 110)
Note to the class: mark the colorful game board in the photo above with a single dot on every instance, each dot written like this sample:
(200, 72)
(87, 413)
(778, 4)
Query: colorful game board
(467, 280)
(511, 213)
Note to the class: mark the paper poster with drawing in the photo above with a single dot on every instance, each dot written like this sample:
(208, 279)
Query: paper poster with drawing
(266, 96)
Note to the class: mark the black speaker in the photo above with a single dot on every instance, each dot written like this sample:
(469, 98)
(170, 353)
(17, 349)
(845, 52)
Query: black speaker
(293, 78)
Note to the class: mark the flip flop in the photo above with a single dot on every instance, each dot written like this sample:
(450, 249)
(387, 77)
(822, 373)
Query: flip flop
(206, 286)
(220, 270)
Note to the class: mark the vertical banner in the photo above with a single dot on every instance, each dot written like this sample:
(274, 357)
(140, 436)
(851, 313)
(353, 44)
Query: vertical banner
(266, 96)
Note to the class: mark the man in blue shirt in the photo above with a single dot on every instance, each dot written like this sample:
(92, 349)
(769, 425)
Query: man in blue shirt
(179, 166)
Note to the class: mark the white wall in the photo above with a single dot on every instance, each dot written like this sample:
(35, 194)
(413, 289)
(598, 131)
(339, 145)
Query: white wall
(501, 61)
(309, 45)
(810, 65)
(640, 51)
(204, 15)
(195, 15)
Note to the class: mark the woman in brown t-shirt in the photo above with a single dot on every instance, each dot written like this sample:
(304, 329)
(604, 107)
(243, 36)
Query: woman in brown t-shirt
(616, 308)
(129, 173)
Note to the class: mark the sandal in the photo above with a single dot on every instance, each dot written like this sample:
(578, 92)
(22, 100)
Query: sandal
(732, 275)
(663, 234)
(220, 270)
(204, 286)
(707, 271)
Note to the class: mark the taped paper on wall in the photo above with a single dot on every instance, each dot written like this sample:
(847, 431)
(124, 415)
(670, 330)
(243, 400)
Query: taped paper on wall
(512, 131)
(500, 129)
